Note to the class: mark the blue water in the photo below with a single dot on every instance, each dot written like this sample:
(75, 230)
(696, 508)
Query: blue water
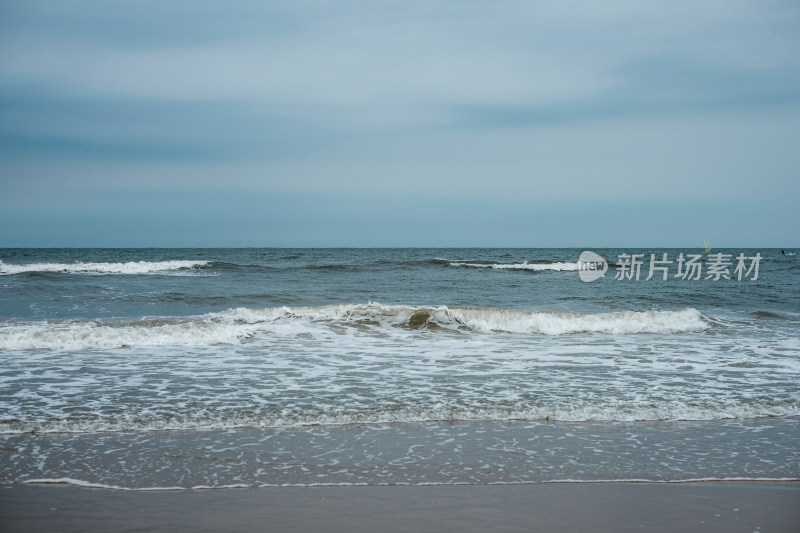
(283, 354)
(312, 277)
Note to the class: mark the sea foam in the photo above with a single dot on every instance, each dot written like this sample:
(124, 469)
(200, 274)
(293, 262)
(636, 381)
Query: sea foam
(206, 417)
(236, 325)
(131, 267)
(538, 267)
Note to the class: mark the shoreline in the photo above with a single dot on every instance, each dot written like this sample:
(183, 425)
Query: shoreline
(572, 506)
(67, 482)
(456, 453)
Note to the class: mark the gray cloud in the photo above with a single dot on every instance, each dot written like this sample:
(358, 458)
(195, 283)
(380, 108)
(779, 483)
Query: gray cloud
(653, 88)
(457, 100)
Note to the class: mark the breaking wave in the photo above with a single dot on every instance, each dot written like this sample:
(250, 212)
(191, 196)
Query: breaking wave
(131, 267)
(236, 325)
(490, 410)
(525, 265)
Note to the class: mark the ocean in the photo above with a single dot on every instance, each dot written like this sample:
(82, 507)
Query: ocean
(149, 369)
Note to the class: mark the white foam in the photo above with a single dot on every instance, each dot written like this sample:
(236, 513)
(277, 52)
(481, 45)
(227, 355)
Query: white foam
(91, 485)
(490, 319)
(548, 323)
(131, 267)
(75, 335)
(449, 412)
(575, 481)
(558, 266)
(235, 325)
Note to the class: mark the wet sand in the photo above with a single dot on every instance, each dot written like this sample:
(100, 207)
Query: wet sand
(708, 506)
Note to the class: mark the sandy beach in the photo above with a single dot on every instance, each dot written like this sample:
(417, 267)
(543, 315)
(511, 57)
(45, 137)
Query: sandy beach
(709, 506)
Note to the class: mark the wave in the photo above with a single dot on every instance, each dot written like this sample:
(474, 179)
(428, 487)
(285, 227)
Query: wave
(525, 265)
(769, 315)
(93, 485)
(577, 411)
(237, 325)
(131, 267)
(393, 483)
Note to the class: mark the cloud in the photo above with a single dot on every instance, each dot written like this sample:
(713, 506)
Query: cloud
(654, 88)
(460, 101)
(397, 64)
(49, 124)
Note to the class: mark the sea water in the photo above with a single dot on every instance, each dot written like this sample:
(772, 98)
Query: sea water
(182, 368)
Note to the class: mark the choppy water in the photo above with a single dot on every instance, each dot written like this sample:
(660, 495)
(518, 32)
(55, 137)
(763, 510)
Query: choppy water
(108, 353)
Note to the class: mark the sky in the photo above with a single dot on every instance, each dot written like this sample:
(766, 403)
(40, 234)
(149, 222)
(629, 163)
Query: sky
(196, 123)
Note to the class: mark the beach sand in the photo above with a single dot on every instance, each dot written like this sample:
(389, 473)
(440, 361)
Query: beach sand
(702, 506)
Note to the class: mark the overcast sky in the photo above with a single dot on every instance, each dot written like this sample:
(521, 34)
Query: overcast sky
(409, 123)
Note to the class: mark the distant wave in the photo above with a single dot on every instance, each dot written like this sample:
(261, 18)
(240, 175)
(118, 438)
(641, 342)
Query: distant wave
(131, 267)
(236, 325)
(525, 265)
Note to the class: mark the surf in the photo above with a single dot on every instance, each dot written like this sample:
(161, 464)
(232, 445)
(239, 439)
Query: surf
(237, 325)
(539, 266)
(130, 267)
